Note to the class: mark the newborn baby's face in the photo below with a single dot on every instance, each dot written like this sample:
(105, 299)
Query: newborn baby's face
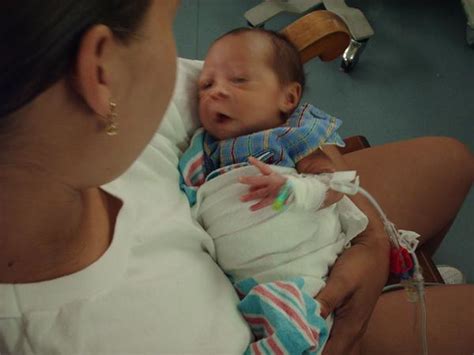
(239, 93)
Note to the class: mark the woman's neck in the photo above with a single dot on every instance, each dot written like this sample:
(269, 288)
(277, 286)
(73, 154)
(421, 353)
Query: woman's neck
(50, 230)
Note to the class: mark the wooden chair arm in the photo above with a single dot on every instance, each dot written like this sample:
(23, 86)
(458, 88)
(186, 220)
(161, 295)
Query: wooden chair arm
(320, 34)
(354, 143)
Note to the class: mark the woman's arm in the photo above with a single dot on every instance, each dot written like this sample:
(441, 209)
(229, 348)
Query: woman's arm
(359, 274)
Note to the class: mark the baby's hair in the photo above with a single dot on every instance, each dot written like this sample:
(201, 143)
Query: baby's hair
(285, 61)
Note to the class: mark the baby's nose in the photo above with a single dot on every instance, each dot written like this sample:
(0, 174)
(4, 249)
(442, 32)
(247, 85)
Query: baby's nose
(219, 91)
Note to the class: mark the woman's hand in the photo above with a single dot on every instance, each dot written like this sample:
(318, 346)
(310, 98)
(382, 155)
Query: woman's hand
(264, 187)
(354, 285)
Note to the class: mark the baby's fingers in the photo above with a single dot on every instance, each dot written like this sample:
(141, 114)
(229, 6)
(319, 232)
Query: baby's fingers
(267, 201)
(264, 168)
(254, 195)
(255, 181)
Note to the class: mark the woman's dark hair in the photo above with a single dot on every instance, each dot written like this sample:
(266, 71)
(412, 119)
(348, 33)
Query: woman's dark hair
(39, 40)
(285, 61)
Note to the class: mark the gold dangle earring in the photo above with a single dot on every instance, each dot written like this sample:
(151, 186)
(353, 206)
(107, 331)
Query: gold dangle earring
(112, 126)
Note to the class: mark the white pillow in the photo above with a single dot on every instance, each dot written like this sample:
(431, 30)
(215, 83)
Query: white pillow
(181, 118)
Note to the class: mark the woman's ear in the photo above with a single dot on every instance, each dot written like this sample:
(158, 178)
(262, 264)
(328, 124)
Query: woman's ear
(94, 63)
(291, 97)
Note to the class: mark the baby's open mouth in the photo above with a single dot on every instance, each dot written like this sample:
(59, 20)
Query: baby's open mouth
(222, 118)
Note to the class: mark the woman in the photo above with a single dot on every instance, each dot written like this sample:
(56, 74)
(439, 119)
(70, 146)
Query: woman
(87, 268)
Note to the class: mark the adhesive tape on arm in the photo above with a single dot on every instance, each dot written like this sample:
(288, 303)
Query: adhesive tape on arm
(309, 193)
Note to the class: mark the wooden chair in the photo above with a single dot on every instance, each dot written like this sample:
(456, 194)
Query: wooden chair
(323, 34)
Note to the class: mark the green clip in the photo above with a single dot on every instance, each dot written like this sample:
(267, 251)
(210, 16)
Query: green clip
(282, 197)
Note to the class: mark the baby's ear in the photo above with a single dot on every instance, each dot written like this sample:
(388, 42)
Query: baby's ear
(290, 97)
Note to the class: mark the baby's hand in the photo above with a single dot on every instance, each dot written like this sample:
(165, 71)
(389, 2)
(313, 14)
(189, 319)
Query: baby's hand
(264, 187)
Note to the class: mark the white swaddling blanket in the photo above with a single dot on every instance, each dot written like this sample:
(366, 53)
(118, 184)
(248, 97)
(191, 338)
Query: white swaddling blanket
(267, 245)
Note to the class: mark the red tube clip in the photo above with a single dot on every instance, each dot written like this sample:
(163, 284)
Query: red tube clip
(400, 261)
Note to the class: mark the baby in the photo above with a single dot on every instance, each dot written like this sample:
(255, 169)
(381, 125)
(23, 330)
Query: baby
(249, 93)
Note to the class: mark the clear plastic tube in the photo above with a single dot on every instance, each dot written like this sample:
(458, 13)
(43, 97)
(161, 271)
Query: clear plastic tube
(394, 235)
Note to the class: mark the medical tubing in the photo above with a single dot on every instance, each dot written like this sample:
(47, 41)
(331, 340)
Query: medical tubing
(420, 286)
(352, 188)
(393, 235)
(399, 286)
(389, 226)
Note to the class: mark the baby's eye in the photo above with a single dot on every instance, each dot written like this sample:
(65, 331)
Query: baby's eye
(239, 80)
(205, 85)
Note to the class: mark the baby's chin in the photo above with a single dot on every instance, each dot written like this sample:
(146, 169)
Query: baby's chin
(221, 131)
(223, 135)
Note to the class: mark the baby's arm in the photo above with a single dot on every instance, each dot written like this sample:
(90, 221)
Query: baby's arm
(308, 193)
(319, 162)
